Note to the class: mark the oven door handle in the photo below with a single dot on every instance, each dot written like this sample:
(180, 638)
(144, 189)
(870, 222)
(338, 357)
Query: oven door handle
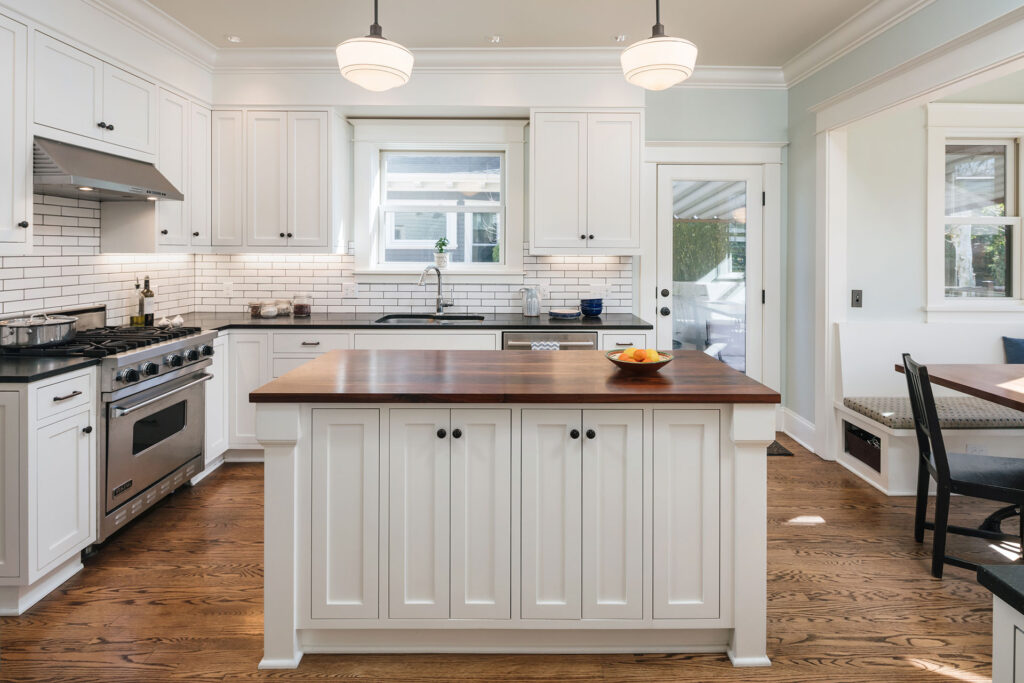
(121, 412)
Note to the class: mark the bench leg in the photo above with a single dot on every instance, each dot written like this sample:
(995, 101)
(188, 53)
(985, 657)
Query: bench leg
(994, 522)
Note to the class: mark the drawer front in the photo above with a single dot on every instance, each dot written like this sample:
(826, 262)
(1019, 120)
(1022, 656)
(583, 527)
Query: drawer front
(621, 340)
(63, 395)
(283, 365)
(431, 341)
(316, 342)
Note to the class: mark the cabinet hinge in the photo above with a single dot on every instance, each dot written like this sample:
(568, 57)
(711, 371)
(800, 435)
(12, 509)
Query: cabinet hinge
(762, 296)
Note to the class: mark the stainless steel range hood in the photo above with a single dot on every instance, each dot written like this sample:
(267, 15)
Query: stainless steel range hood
(62, 170)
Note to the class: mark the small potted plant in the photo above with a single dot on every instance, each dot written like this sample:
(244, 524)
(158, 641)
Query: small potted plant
(440, 255)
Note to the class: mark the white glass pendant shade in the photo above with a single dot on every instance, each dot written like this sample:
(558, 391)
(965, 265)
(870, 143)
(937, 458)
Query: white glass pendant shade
(374, 63)
(659, 62)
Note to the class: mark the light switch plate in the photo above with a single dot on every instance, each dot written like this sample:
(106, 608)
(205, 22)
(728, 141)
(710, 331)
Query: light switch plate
(350, 289)
(857, 298)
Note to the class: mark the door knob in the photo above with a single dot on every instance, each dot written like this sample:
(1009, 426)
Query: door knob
(456, 433)
(591, 434)
(23, 224)
(574, 434)
(665, 292)
(665, 310)
(441, 433)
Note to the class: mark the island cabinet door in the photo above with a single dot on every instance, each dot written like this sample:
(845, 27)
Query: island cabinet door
(420, 471)
(344, 513)
(552, 479)
(613, 514)
(686, 514)
(481, 536)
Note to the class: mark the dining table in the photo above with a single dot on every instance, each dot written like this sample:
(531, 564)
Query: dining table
(1001, 383)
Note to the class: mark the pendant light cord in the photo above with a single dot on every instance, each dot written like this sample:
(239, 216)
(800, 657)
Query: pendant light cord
(657, 30)
(375, 31)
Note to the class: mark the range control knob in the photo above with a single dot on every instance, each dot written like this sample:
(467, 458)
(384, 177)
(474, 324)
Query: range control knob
(174, 361)
(206, 350)
(128, 375)
(149, 369)
(192, 355)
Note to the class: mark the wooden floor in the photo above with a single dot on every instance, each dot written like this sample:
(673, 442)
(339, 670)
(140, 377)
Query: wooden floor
(177, 596)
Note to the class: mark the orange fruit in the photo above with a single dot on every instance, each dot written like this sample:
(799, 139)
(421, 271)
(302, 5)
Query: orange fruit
(639, 355)
(627, 354)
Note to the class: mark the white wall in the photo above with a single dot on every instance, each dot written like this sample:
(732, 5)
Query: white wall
(717, 114)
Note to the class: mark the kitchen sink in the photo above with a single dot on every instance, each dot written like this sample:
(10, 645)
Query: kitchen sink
(424, 319)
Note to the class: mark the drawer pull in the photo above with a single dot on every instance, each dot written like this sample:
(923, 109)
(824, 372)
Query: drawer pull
(626, 343)
(57, 399)
(309, 343)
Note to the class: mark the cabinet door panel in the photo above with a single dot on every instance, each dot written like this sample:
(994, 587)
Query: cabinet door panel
(216, 403)
(197, 198)
(63, 490)
(68, 88)
(551, 508)
(613, 514)
(420, 481)
(250, 368)
(172, 161)
(10, 483)
(559, 180)
(15, 164)
(267, 187)
(308, 192)
(613, 179)
(345, 490)
(686, 514)
(129, 105)
(481, 537)
(227, 179)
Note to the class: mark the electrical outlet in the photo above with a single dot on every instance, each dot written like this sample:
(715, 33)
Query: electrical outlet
(856, 298)
(350, 289)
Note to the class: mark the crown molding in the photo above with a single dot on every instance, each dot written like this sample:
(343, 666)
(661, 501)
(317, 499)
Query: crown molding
(873, 20)
(739, 77)
(160, 27)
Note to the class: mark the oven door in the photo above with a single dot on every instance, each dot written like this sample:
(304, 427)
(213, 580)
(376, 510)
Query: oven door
(151, 434)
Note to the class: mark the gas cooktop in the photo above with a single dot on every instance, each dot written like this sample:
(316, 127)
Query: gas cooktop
(100, 342)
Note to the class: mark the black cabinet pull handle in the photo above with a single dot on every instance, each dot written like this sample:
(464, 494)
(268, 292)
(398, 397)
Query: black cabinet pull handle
(665, 310)
(64, 398)
(102, 124)
(87, 430)
(574, 434)
(441, 433)
(23, 224)
(195, 234)
(591, 434)
(456, 433)
(309, 343)
(163, 232)
(665, 292)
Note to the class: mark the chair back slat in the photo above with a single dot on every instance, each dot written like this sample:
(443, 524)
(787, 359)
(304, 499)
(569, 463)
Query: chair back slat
(930, 445)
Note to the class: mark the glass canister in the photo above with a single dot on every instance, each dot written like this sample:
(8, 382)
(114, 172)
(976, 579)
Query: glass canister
(284, 306)
(302, 305)
(254, 309)
(268, 310)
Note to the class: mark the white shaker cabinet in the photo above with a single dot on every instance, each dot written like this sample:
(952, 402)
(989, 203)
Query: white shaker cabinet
(15, 159)
(227, 169)
(198, 194)
(129, 109)
(308, 197)
(217, 403)
(249, 361)
(173, 217)
(558, 181)
(10, 483)
(266, 210)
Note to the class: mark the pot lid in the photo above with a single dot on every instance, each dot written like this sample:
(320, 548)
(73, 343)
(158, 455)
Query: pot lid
(39, 319)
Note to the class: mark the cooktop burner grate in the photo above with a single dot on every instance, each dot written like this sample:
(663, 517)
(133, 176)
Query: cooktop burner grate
(107, 341)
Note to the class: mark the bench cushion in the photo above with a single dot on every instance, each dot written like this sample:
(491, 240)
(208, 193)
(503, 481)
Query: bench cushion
(955, 412)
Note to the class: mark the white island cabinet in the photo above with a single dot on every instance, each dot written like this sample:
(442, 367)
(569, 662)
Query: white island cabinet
(510, 501)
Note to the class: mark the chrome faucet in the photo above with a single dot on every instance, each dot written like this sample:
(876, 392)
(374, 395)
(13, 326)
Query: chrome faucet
(442, 303)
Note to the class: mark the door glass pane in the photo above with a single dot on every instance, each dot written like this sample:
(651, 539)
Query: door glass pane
(978, 260)
(709, 253)
(976, 180)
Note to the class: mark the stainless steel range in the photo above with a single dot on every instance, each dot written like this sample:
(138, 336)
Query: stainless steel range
(152, 396)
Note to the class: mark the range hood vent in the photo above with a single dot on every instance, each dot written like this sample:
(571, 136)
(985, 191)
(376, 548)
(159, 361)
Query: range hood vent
(61, 170)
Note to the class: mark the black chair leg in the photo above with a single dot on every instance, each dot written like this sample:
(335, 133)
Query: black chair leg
(923, 480)
(939, 533)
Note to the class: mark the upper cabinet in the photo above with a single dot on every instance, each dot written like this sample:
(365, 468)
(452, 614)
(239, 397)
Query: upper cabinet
(585, 181)
(15, 159)
(76, 93)
(228, 179)
(197, 194)
(173, 162)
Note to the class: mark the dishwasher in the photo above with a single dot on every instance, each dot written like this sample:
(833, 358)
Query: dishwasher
(567, 341)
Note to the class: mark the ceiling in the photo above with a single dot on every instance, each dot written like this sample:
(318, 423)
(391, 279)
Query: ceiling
(727, 32)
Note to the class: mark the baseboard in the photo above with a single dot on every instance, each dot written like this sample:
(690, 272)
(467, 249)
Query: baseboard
(243, 455)
(15, 600)
(210, 468)
(798, 428)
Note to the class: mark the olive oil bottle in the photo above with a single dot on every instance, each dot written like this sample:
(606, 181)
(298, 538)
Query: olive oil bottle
(138, 318)
(148, 301)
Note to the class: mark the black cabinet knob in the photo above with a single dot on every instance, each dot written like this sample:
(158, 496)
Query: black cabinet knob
(591, 434)
(583, 237)
(87, 430)
(456, 433)
(441, 433)
(590, 237)
(102, 124)
(282, 234)
(289, 234)
(110, 126)
(163, 232)
(574, 434)
(665, 310)
(665, 292)
(195, 234)
(23, 224)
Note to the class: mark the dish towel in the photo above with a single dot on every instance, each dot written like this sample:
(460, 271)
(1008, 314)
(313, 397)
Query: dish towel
(544, 346)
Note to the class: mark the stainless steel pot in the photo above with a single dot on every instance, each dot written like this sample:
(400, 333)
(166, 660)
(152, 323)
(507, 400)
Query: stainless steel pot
(37, 330)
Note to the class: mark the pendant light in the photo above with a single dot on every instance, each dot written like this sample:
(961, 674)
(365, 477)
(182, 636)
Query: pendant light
(374, 62)
(660, 61)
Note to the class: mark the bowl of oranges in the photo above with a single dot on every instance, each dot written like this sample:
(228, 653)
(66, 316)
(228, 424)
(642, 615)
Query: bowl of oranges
(639, 361)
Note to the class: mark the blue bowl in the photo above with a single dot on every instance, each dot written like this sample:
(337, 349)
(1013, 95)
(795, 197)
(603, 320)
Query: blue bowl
(591, 307)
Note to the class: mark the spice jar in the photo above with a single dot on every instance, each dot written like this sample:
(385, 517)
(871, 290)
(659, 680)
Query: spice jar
(302, 305)
(254, 309)
(284, 306)
(268, 310)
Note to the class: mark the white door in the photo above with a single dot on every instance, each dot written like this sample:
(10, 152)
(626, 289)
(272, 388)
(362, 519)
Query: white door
(68, 88)
(552, 480)
(129, 109)
(308, 191)
(10, 483)
(172, 161)
(686, 514)
(481, 524)
(419, 489)
(613, 526)
(197, 196)
(217, 403)
(249, 359)
(613, 180)
(710, 229)
(344, 520)
(267, 178)
(558, 148)
(62, 488)
(15, 162)
(227, 161)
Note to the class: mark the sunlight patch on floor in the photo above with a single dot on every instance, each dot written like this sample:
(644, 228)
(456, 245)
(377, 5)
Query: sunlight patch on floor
(950, 671)
(806, 520)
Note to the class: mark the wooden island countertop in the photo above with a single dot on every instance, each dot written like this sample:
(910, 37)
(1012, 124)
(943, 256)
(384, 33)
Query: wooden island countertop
(387, 376)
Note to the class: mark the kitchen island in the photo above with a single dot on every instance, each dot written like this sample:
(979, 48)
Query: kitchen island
(513, 501)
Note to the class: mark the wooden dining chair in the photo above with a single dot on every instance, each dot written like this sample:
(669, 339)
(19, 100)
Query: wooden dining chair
(977, 476)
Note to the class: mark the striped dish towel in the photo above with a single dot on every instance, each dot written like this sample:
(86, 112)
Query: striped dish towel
(544, 346)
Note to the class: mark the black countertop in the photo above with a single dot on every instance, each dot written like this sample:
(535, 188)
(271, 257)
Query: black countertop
(1006, 581)
(365, 321)
(30, 368)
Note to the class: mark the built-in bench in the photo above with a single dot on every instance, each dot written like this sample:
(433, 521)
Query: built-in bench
(874, 425)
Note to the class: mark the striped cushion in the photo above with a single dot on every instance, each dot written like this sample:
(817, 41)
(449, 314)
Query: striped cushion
(955, 412)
